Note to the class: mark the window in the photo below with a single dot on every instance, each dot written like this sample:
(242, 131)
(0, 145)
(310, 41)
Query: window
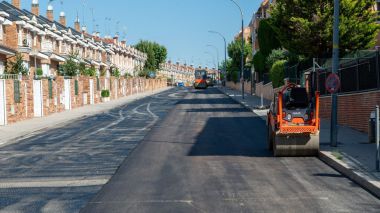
(19, 32)
(45, 69)
(35, 40)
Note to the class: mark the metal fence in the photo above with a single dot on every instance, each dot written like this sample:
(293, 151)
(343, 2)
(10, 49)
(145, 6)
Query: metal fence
(356, 74)
(10, 76)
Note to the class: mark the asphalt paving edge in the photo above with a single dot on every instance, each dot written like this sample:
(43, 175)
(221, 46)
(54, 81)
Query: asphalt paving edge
(132, 153)
(330, 161)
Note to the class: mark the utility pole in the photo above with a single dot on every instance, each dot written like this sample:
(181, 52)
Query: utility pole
(335, 68)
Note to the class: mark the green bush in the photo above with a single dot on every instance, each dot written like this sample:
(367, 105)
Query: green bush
(127, 75)
(116, 73)
(39, 71)
(105, 93)
(277, 74)
(89, 72)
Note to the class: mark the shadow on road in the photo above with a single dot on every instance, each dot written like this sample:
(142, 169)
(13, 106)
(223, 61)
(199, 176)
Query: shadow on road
(232, 136)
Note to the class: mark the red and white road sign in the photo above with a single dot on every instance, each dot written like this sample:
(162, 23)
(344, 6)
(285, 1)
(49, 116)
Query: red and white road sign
(333, 83)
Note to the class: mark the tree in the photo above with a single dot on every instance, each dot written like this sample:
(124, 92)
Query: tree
(156, 53)
(305, 27)
(276, 73)
(17, 66)
(71, 65)
(234, 52)
(267, 38)
(259, 63)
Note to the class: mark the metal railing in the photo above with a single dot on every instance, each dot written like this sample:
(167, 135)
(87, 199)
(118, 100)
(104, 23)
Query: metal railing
(10, 76)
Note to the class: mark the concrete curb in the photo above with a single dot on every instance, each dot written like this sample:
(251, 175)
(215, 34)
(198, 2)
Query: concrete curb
(246, 106)
(344, 169)
(330, 160)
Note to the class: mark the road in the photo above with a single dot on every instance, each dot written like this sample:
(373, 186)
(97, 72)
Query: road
(61, 168)
(178, 151)
(209, 155)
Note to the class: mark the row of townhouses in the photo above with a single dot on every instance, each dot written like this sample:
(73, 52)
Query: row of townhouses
(183, 73)
(177, 72)
(43, 45)
(46, 43)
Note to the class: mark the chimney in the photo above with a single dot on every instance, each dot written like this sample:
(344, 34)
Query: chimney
(77, 24)
(116, 39)
(84, 29)
(16, 3)
(62, 18)
(123, 43)
(35, 8)
(49, 13)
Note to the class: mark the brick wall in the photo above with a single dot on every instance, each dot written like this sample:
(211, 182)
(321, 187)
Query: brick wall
(353, 109)
(25, 109)
(237, 86)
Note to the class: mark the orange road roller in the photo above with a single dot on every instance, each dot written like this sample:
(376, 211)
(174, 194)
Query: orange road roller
(293, 122)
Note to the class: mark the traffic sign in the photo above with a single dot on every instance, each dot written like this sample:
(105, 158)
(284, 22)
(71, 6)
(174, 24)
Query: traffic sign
(333, 83)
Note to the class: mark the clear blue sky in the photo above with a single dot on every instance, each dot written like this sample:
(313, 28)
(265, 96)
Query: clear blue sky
(180, 25)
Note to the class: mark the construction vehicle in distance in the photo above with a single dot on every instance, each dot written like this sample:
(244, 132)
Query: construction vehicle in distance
(200, 79)
(293, 122)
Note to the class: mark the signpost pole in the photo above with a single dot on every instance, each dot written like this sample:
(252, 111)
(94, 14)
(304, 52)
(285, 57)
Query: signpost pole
(335, 66)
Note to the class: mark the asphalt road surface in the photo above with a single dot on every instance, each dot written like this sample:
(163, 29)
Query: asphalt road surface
(61, 168)
(209, 155)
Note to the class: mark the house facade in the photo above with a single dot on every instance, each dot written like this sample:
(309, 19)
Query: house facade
(46, 43)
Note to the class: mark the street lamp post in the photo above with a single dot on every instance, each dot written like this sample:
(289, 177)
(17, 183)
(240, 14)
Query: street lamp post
(212, 56)
(217, 55)
(225, 53)
(242, 48)
(335, 67)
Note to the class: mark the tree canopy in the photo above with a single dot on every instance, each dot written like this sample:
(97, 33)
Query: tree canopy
(305, 27)
(156, 54)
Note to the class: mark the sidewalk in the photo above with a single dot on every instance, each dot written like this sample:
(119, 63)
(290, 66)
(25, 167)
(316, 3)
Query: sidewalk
(354, 156)
(23, 129)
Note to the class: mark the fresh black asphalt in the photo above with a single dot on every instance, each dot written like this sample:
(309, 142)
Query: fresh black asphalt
(61, 168)
(197, 151)
(209, 155)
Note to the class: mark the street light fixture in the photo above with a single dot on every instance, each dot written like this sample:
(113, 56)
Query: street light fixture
(225, 52)
(212, 56)
(217, 55)
(242, 48)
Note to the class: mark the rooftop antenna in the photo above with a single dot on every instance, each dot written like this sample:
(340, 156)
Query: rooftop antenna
(83, 8)
(93, 20)
(117, 27)
(124, 35)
